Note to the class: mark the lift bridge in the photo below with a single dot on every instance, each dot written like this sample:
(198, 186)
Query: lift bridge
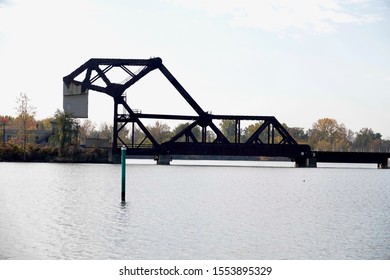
(270, 139)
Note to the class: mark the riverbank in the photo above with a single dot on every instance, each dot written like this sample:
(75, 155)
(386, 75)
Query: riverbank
(14, 153)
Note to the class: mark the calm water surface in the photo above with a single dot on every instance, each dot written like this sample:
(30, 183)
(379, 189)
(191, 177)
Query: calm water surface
(73, 211)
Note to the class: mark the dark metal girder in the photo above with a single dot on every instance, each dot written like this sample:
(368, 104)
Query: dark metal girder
(181, 90)
(139, 76)
(127, 71)
(93, 64)
(242, 117)
(102, 74)
(256, 134)
(231, 149)
(185, 131)
(159, 116)
(351, 157)
(139, 123)
(203, 119)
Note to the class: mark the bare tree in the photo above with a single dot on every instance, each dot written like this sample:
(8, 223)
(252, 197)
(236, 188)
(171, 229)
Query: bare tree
(25, 118)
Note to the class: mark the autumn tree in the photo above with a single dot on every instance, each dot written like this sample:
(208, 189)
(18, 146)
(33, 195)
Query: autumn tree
(328, 135)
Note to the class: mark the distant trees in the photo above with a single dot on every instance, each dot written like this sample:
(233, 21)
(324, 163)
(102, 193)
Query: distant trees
(298, 133)
(196, 131)
(250, 129)
(228, 128)
(66, 130)
(367, 140)
(328, 135)
(160, 131)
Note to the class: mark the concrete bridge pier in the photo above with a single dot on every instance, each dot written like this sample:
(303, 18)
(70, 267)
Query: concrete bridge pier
(384, 165)
(163, 159)
(306, 162)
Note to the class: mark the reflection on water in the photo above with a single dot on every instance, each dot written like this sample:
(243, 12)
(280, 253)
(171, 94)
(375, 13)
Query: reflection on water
(73, 211)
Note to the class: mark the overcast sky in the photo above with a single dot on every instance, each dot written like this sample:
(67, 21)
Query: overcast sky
(296, 60)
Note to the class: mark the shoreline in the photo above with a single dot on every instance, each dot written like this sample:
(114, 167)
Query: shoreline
(14, 153)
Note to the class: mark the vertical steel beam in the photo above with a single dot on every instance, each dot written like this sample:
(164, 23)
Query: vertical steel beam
(132, 135)
(204, 134)
(115, 129)
(237, 137)
(269, 134)
(181, 90)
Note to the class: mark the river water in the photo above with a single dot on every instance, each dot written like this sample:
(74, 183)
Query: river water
(192, 211)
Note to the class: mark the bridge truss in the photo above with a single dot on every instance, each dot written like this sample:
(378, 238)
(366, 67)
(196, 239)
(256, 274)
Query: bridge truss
(269, 139)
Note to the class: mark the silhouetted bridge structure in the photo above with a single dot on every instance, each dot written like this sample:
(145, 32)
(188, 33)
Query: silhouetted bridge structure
(270, 139)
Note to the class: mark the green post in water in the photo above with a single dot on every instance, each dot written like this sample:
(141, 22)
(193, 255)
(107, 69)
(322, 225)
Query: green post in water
(123, 160)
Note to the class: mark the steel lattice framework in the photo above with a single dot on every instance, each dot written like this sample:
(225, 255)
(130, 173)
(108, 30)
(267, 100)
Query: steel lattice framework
(270, 138)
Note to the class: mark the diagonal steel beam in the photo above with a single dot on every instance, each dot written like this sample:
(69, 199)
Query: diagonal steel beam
(181, 90)
(140, 124)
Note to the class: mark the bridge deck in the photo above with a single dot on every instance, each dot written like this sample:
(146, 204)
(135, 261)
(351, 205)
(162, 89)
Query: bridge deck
(224, 149)
(298, 153)
(352, 157)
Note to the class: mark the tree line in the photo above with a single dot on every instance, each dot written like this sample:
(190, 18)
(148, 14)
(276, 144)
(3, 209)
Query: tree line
(59, 139)
(68, 135)
(326, 134)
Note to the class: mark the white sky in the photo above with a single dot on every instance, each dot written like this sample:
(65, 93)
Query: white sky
(297, 60)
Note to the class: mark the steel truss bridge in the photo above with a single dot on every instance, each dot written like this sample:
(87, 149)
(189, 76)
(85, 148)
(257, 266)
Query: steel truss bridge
(270, 139)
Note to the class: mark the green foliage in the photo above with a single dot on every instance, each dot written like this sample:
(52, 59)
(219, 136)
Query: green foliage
(66, 131)
(10, 152)
(367, 140)
(228, 128)
(250, 130)
(298, 133)
(13, 152)
(40, 154)
(94, 155)
(160, 132)
(196, 132)
(34, 153)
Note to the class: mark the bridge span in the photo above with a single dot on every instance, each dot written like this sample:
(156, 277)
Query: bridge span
(269, 139)
(381, 159)
(300, 154)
